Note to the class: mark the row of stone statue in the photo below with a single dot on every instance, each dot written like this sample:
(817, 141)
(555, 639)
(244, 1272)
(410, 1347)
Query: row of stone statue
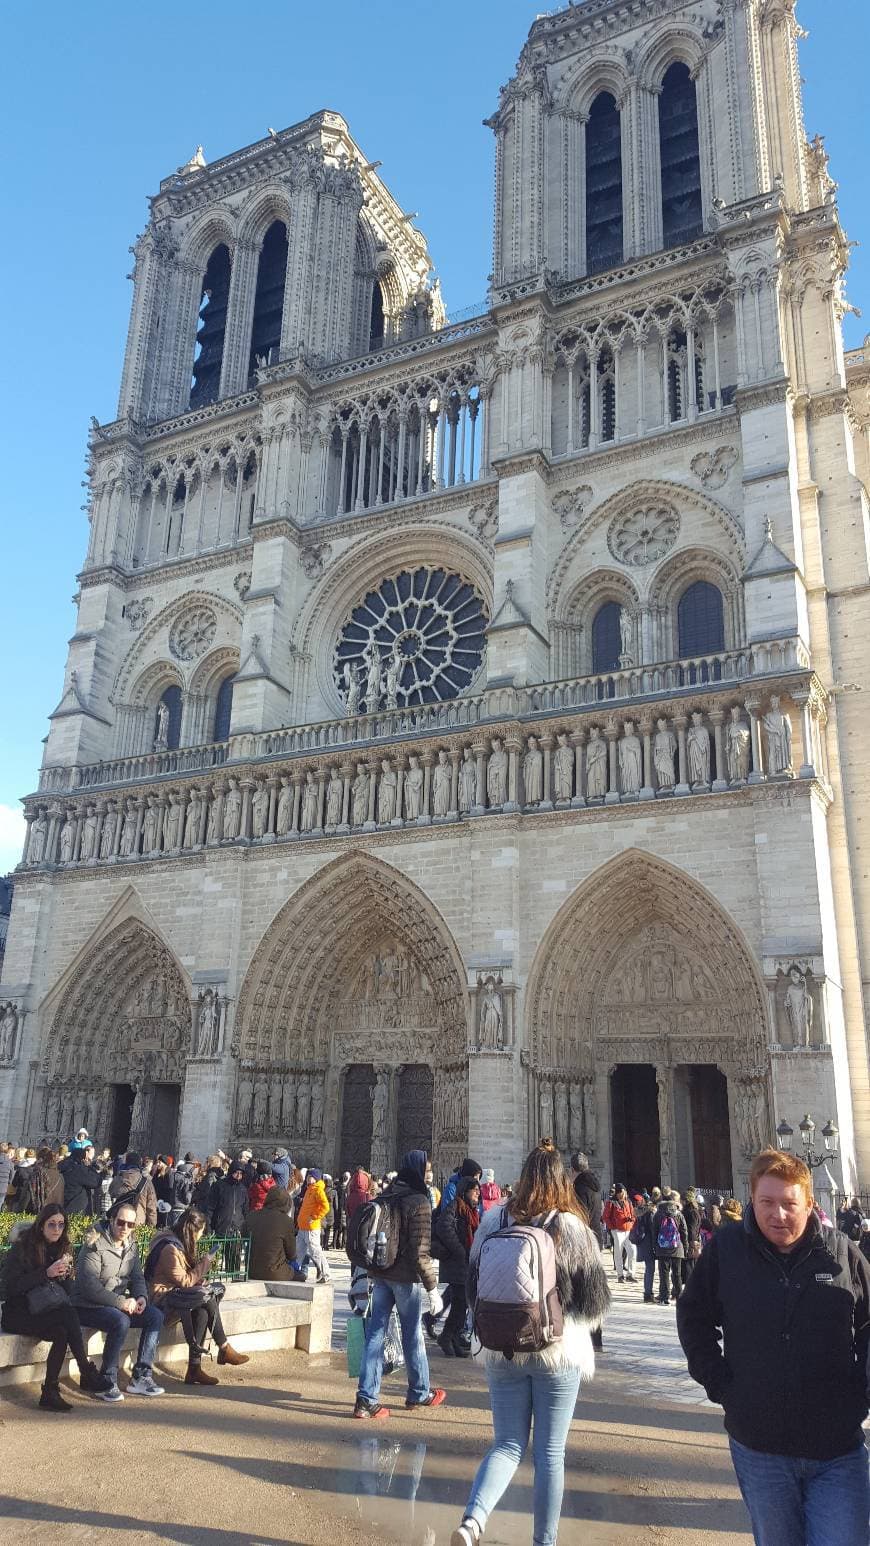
(69, 1107)
(277, 1104)
(567, 1113)
(421, 787)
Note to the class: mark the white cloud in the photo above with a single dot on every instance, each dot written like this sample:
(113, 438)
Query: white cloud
(11, 836)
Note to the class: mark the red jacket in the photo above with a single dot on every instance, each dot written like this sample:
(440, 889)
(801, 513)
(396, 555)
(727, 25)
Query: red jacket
(258, 1189)
(490, 1194)
(618, 1216)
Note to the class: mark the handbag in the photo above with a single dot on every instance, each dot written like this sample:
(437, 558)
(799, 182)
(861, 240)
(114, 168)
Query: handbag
(48, 1296)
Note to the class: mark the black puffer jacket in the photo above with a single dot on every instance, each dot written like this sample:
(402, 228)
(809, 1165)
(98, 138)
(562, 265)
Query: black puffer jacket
(414, 1262)
(781, 1342)
(229, 1201)
(18, 1276)
(587, 1190)
(82, 1186)
(448, 1236)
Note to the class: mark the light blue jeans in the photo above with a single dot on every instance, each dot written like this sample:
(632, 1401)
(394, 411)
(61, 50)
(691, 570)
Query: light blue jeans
(409, 1299)
(796, 1502)
(520, 1397)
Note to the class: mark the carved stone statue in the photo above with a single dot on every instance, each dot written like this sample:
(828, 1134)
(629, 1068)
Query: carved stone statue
(261, 1102)
(161, 732)
(630, 760)
(563, 769)
(441, 781)
(387, 787)
(626, 638)
(698, 752)
(390, 684)
(737, 748)
(8, 1032)
(596, 766)
(497, 774)
(799, 1008)
(128, 830)
(275, 1106)
(89, 835)
(360, 792)
(191, 820)
(317, 1104)
(232, 811)
(413, 789)
(467, 780)
(351, 689)
(533, 772)
(172, 824)
(209, 1022)
(664, 1103)
(590, 1117)
(67, 837)
(372, 658)
(546, 1106)
(107, 836)
(288, 1106)
(380, 1107)
(777, 730)
(303, 1107)
(137, 1115)
(308, 819)
(664, 752)
(38, 834)
(243, 1105)
(560, 1115)
(285, 808)
(575, 1133)
(149, 827)
(214, 825)
(491, 1016)
(334, 790)
(260, 809)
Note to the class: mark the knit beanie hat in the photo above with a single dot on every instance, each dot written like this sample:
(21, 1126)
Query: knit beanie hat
(315, 1175)
(488, 1175)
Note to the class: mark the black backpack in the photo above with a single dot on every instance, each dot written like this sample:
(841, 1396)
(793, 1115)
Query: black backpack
(374, 1234)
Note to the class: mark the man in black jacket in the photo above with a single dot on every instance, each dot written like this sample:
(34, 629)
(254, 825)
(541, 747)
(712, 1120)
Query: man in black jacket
(775, 1323)
(587, 1188)
(410, 1284)
(82, 1182)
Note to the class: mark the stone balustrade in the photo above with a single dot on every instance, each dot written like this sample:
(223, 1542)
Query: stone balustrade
(525, 759)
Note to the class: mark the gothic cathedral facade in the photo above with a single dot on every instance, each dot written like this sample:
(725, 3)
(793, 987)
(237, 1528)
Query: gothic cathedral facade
(459, 740)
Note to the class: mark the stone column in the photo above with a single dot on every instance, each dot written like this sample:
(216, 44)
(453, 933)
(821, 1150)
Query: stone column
(803, 701)
(455, 759)
(162, 803)
(206, 793)
(321, 792)
(479, 750)
(98, 838)
(720, 783)
(370, 824)
(398, 819)
(513, 746)
(547, 744)
(426, 813)
(297, 801)
(611, 732)
(140, 817)
(648, 791)
(578, 739)
(757, 775)
(682, 786)
(664, 1084)
(273, 783)
(346, 774)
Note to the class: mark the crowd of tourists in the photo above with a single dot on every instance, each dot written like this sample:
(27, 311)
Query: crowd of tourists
(772, 1300)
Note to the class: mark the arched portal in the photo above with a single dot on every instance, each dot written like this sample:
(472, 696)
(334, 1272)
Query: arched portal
(640, 990)
(356, 990)
(118, 1044)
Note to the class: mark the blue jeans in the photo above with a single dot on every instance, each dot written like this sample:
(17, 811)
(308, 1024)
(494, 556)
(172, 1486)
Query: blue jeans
(116, 1325)
(796, 1502)
(518, 1395)
(409, 1299)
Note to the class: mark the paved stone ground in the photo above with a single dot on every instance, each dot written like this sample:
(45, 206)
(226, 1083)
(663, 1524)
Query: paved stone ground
(271, 1459)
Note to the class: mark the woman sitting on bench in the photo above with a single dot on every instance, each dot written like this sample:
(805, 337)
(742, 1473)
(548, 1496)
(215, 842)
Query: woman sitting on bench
(176, 1274)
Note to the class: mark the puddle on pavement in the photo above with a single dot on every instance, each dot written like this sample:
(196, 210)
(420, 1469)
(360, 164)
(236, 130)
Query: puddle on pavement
(395, 1495)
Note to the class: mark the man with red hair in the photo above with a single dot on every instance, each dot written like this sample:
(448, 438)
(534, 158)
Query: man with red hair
(775, 1324)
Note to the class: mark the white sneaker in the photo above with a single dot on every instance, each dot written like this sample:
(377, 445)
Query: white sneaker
(112, 1394)
(468, 1534)
(144, 1385)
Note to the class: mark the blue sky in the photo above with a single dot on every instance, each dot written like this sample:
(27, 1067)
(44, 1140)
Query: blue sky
(100, 101)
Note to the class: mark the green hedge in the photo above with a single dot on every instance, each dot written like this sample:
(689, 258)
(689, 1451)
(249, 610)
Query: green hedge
(231, 1265)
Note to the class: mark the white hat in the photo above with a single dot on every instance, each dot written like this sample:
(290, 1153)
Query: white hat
(488, 1175)
(865, 1225)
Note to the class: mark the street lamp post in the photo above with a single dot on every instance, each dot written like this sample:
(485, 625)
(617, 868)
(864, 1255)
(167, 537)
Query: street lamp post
(807, 1129)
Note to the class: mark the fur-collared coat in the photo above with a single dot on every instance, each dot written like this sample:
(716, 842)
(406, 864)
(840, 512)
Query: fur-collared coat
(581, 1284)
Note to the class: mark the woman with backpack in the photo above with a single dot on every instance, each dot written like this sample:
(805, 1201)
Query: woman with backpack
(453, 1231)
(534, 1360)
(671, 1239)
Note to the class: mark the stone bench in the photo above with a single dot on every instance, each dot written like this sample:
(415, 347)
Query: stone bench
(258, 1317)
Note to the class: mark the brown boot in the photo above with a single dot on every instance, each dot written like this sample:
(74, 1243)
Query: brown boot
(196, 1375)
(228, 1354)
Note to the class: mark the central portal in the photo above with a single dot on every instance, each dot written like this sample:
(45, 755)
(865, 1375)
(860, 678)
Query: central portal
(384, 1113)
(634, 1107)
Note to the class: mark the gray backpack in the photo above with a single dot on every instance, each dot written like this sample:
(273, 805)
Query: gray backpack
(516, 1305)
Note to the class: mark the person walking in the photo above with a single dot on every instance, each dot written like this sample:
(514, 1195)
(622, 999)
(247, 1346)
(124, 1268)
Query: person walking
(35, 1287)
(534, 1394)
(273, 1240)
(110, 1294)
(357, 1194)
(313, 1210)
(133, 1178)
(408, 1283)
(177, 1273)
(618, 1216)
(643, 1240)
(775, 1325)
(340, 1235)
(587, 1187)
(670, 1239)
(453, 1231)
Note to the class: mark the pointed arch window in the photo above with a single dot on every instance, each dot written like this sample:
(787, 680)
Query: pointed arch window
(603, 185)
(377, 324)
(211, 331)
(682, 216)
(700, 620)
(606, 639)
(223, 710)
(269, 296)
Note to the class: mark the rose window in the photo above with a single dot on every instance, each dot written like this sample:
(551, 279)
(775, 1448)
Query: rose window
(192, 634)
(643, 536)
(420, 635)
